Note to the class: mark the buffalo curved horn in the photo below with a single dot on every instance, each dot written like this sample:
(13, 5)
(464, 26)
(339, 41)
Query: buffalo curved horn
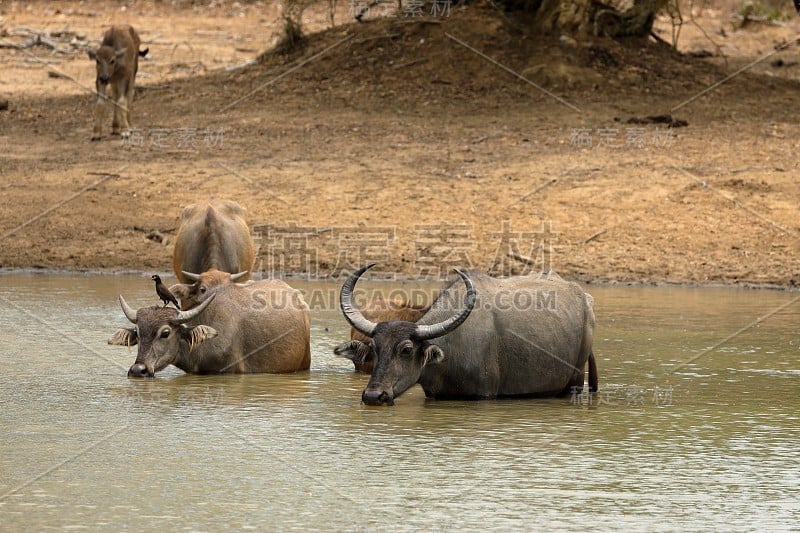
(238, 275)
(191, 275)
(428, 332)
(130, 313)
(185, 316)
(351, 314)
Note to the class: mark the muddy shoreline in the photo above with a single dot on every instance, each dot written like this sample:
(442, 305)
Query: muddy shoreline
(169, 275)
(385, 135)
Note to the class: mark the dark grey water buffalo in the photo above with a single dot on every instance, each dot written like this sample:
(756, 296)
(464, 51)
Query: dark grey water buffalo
(213, 234)
(520, 336)
(359, 349)
(260, 326)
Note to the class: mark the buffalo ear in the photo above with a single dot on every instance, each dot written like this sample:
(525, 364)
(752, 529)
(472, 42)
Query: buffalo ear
(433, 355)
(180, 290)
(197, 334)
(124, 337)
(356, 351)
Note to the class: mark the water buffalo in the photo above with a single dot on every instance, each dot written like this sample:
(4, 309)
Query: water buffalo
(359, 348)
(520, 336)
(117, 62)
(260, 326)
(213, 234)
(200, 287)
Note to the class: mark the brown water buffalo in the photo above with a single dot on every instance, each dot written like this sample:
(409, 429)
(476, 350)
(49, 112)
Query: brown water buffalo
(199, 287)
(213, 234)
(519, 336)
(259, 326)
(203, 286)
(117, 61)
(359, 348)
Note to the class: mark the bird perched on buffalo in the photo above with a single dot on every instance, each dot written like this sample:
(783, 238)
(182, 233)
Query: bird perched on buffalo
(163, 292)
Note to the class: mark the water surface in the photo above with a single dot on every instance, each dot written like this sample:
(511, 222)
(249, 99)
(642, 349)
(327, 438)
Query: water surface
(694, 426)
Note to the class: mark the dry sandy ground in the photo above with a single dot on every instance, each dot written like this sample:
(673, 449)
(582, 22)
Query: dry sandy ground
(401, 145)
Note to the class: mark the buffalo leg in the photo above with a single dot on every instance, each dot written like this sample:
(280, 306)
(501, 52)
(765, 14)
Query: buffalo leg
(99, 113)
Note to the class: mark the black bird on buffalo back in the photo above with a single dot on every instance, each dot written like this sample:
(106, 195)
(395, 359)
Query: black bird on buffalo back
(163, 292)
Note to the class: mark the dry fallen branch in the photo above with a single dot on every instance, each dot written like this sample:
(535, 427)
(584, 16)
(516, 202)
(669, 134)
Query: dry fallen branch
(39, 60)
(595, 235)
(154, 235)
(158, 237)
(60, 41)
(152, 87)
(213, 33)
(182, 65)
(417, 20)
(521, 258)
(62, 75)
(377, 38)
(66, 34)
(187, 44)
(240, 65)
(744, 20)
(409, 63)
(659, 119)
(140, 228)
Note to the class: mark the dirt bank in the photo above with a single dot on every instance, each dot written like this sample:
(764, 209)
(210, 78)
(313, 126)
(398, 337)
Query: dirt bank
(402, 145)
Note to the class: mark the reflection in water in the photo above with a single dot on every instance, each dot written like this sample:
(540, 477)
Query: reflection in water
(682, 430)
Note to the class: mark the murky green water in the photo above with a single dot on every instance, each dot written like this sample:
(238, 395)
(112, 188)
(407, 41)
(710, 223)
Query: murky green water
(714, 443)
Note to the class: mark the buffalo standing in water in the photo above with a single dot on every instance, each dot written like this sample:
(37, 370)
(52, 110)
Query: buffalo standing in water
(359, 349)
(213, 234)
(259, 326)
(519, 336)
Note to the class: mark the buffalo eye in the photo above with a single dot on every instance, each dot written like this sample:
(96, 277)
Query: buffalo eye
(202, 290)
(406, 350)
(165, 334)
